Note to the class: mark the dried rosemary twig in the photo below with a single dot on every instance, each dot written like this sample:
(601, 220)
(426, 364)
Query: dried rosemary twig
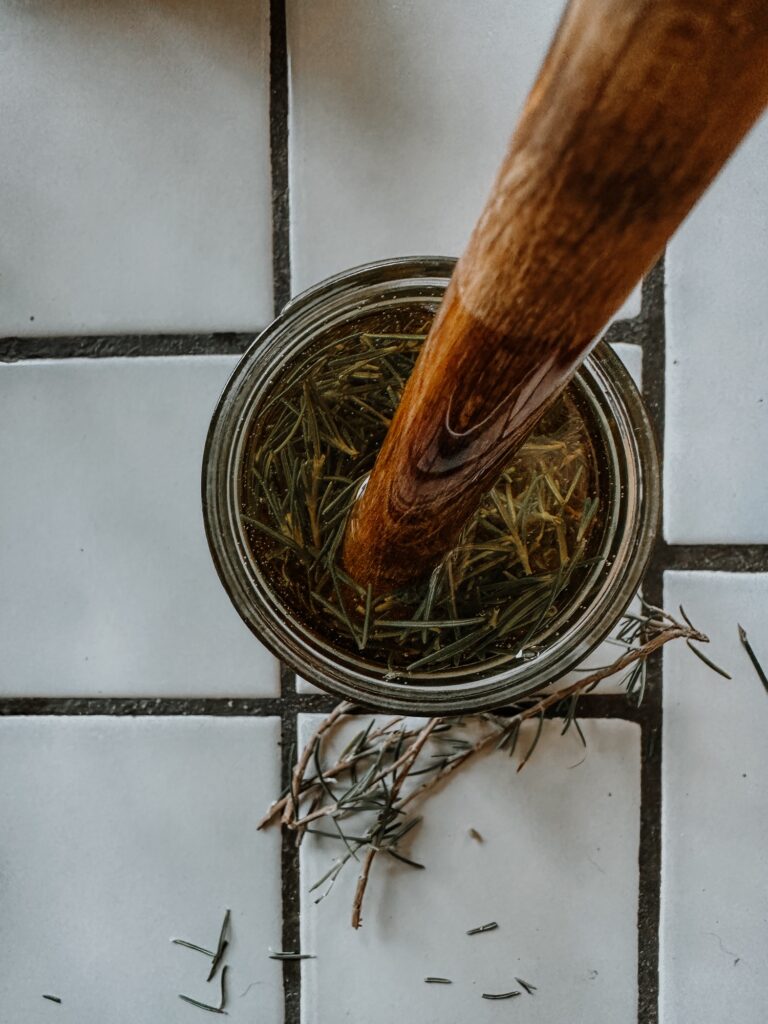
(370, 774)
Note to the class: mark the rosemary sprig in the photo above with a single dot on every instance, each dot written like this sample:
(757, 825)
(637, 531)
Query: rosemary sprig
(505, 581)
(388, 830)
(369, 776)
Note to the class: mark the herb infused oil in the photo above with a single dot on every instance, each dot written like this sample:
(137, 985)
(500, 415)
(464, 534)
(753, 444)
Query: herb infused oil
(515, 564)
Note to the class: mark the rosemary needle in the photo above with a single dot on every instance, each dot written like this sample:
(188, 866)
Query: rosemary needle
(438, 981)
(708, 662)
(753, 657)
(207, 1006)
(529, 988)
(201, 1006)
(501, 995)
(191, 945)
(292, 956)
(221, 947)
(491, 926)
(53, 999)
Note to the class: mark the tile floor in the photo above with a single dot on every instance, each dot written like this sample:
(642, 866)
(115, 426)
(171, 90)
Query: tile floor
(557, 870)
(171, 172)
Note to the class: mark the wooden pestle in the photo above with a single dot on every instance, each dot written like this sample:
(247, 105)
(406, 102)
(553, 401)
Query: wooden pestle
(637, 106)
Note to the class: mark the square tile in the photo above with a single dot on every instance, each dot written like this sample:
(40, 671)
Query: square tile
(716, 388)
(120, 834)
(106, 580)
(396, 130)
(557, 870)
(135, 180)
(714, 908)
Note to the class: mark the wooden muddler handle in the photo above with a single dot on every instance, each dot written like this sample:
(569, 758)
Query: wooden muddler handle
(637, 106)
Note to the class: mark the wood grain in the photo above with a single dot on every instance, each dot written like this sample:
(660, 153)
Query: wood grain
(636, 108)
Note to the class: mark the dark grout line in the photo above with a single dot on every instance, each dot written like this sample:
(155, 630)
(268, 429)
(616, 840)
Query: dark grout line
(716, 557)
(278, 137)
(121, 346)
(649, 853)
(291, 703)
(654, 360)
(146, 707)
(628, 332)
(287, 684)
(649, 865)
(609, 705)
(291, 885)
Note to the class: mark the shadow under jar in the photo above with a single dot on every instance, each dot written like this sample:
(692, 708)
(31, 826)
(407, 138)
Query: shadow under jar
(540, 576)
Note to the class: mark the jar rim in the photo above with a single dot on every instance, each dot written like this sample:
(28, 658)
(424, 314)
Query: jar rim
(630, 447)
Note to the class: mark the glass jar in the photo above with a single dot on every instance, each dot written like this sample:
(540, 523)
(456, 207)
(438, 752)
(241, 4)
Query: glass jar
(625, 442)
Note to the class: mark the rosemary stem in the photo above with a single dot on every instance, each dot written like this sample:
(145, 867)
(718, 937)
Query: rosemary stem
(408, 760)
(291, 807)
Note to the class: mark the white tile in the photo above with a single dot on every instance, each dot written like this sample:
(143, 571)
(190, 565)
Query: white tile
(631, 307)
(395, 136)
(135, 182)
(632, 357)
(557, 871)
(302, 686)
(106, 582)
(119, 834)
(714, 908)
(717, 389)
